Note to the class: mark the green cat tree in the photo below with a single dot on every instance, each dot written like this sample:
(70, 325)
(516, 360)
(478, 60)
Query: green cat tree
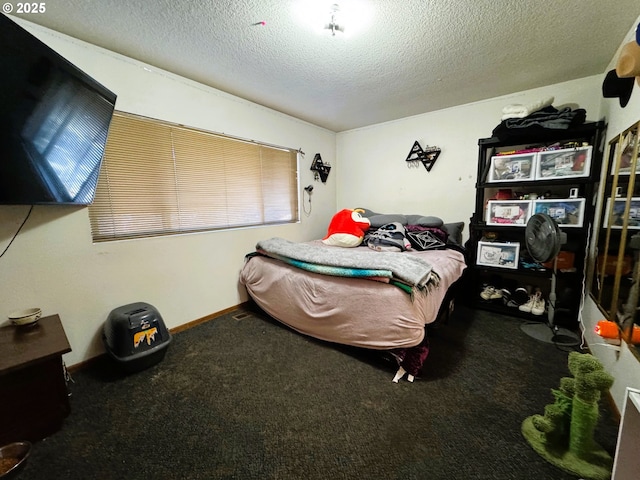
(564, 434)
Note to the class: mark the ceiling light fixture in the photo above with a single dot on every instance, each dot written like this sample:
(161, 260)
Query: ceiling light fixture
(328, 17)
(333, 24)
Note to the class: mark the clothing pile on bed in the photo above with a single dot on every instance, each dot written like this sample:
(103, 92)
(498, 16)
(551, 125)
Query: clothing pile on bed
(405, 271)
(405, 232)
(387, 235)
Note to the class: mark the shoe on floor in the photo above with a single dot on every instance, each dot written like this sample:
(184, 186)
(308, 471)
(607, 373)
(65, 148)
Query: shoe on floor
(535, 304)
(538, 305)
(520, 296)
(490, 293)
(526, 307)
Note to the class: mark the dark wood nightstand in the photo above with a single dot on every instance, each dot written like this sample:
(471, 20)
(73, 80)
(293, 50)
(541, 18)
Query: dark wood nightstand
(33, 393)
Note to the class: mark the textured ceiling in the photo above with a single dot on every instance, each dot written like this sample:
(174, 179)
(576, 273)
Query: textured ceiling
(409, 56)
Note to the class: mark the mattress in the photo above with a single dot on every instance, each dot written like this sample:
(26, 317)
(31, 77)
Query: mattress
(350, 311)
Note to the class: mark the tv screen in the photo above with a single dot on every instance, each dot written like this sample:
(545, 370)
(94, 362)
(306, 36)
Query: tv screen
(54, 121)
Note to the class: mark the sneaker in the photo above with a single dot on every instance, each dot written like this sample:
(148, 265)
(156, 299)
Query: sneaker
(507, 298)
(490, 293)
(526, 307)
(520, 296)
(538, 304)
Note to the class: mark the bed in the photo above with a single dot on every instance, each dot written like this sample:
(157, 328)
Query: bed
(381, 311)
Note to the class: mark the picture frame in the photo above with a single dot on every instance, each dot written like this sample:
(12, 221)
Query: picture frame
(498, 254)
(618, 213)
(512, 168)
(508, 212)
(565, 162)
(567, 212)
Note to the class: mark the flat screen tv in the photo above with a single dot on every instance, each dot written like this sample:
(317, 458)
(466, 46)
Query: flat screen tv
(54, 121)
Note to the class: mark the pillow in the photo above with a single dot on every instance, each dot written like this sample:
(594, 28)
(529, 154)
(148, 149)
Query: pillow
(455, 232)
(346, 229)
(425, 240)
(365, 212)
(379, 220)
(424, 221)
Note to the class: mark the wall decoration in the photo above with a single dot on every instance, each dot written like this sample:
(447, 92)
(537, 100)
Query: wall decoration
(320, 168)
(427, 156)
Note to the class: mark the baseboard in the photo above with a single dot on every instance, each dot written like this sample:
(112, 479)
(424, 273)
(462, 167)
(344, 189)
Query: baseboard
(180, 328)
(212, 316)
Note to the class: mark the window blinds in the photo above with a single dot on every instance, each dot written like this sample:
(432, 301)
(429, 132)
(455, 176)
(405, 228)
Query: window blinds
(160, 179)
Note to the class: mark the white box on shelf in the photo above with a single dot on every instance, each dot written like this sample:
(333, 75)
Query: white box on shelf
(618, 213)
(566, 162)
(567, 212)
(500, 255)
(512, 168)
(626, 156)
(508, 212)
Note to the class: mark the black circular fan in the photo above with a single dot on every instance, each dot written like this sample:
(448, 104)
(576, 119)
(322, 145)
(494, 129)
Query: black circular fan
(543, 239)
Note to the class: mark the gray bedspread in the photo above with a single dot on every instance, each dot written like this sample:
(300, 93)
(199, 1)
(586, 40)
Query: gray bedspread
(404, 266)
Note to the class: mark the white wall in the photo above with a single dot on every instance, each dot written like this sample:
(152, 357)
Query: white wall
(373, 172)
(53, 263)
(622, 365)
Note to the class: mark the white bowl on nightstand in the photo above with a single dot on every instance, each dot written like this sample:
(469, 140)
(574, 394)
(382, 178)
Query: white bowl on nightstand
(25, 317)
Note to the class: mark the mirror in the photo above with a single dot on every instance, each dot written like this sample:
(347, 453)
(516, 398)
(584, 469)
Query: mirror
(615, 284)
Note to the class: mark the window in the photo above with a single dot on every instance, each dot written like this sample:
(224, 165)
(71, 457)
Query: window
(160, 179)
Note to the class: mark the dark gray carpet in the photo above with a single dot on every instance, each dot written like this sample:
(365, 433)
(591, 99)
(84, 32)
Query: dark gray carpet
(250, 399)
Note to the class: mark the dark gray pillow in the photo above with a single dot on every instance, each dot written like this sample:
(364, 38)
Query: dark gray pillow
(424, 221)
(379, 219)
(382, 219)
(367, 213)
(455, 232)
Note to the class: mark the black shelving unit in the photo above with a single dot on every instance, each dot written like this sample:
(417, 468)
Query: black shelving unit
(569, 285)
